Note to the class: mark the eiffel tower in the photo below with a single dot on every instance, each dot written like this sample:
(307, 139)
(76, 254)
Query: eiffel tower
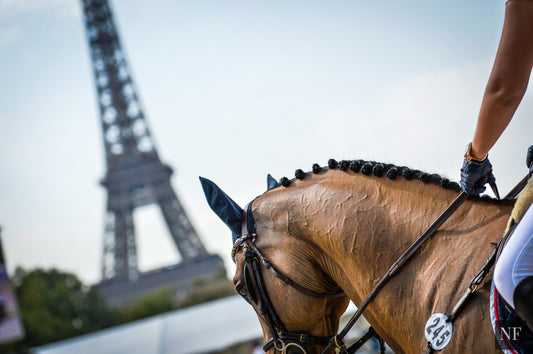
(135, 174)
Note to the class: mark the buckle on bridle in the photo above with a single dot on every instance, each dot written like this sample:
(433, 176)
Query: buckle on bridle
(238, 243)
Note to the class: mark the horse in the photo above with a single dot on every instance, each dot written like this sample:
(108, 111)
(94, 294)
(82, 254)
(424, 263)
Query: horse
(327, 236)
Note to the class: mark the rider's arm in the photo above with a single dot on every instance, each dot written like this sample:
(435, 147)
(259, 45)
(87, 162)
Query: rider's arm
(509, 78)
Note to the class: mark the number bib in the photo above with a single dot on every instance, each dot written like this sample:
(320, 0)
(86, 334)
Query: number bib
(438, 331)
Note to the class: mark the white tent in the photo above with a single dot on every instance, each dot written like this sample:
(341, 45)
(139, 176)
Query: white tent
(204, 328)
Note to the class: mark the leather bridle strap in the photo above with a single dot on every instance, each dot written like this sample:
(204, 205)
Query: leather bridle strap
(296, 337)
(279, 335)
(295, 285)
(248, 238)
(339, 338)
(253, 259)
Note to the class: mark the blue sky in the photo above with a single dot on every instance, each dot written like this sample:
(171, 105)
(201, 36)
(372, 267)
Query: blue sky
(234, 90)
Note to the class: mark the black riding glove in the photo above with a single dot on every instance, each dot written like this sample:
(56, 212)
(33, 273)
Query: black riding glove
(474, 176)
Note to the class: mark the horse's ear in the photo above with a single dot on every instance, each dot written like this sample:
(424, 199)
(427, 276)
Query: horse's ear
(271, 182)
(226, 209)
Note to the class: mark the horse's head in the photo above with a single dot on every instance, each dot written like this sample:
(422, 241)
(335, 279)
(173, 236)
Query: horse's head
(281, 275)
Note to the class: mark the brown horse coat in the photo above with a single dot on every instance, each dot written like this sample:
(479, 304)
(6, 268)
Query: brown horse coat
(342, 229)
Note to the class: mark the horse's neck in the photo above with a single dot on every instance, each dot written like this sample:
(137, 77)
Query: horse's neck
(361, 218)
(365, 226)
(367, 223)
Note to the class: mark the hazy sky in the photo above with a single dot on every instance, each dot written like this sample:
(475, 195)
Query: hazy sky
(234, 90)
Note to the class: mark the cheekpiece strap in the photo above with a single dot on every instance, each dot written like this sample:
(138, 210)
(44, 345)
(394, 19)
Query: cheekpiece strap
(247, 229)
(248, 223)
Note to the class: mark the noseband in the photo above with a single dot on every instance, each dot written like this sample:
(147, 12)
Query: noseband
(281, 339)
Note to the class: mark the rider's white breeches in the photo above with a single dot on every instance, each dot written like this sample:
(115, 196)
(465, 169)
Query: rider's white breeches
(516, 260)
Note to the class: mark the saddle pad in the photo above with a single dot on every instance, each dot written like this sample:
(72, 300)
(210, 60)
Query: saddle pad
(525, 199)
(512, 334)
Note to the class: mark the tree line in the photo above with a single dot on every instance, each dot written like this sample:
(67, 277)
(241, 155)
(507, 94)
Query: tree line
(56, 305)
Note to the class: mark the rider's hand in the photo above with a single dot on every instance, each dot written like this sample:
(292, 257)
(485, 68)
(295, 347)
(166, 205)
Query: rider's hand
(474, 176)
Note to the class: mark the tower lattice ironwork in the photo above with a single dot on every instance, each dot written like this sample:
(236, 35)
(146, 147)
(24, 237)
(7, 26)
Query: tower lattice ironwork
(135, 174)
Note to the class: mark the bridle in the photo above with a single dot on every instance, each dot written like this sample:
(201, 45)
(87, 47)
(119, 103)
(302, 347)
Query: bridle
(281, 339)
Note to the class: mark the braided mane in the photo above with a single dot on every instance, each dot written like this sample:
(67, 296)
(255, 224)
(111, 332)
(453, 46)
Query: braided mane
(378, 169)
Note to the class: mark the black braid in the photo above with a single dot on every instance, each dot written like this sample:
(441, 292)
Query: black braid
(299, 174)
(332, 164)
(344, 165)
(355, 165)
(407, 173)
(378, 169)
(366, 169)
(392, 172)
